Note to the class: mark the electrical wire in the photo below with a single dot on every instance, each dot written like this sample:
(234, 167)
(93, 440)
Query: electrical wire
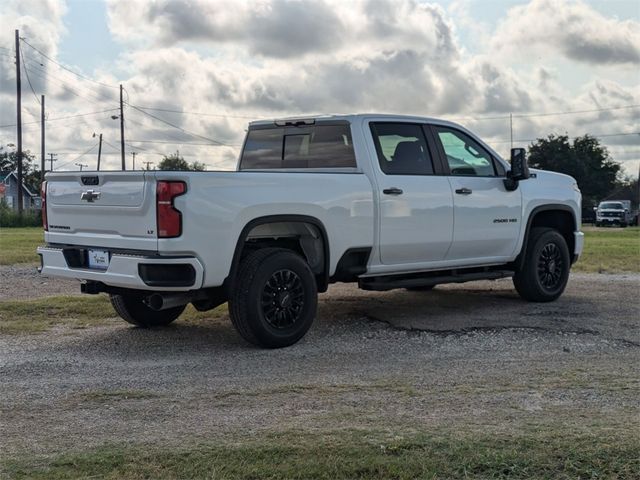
(62, 118)
(197, 113)
(67, 69)
(78, 157)
(186, 143)
(604, 135)
(28, 79)
(177, 127)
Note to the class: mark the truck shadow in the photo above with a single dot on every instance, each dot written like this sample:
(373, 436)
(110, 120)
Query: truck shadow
(344, 310)
(460, 309)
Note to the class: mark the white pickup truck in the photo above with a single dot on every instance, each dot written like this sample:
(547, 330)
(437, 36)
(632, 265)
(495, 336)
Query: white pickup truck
(386, 201)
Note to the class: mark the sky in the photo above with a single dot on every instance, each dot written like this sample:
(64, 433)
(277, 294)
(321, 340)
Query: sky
(195, 72)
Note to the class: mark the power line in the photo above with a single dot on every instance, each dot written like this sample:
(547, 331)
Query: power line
(65, 68)
(78, 157)
(604, 135)
(176, 126)
(198, 113)
(62, 118)
(43, 74)
(186, 143)
(549, 114)
(46, 75)
(28, 79)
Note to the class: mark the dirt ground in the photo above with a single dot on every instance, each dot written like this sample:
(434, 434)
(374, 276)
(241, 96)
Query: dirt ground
(470, 356)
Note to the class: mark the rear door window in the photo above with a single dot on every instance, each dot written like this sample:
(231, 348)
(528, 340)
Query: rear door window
(319, 146)
(402, 149)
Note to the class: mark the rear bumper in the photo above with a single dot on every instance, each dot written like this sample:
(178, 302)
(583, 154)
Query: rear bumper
(126, 271)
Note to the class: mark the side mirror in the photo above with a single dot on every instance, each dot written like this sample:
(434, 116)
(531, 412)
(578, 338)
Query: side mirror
(595, 209)
(519, 167)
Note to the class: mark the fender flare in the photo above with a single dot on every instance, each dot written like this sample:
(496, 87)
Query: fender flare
(519, 261)
(322, 280)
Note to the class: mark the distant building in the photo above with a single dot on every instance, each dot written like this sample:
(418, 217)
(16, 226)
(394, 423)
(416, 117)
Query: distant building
(9, 193)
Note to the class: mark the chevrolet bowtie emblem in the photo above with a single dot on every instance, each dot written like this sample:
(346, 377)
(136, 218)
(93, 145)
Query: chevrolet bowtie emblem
(90, 196)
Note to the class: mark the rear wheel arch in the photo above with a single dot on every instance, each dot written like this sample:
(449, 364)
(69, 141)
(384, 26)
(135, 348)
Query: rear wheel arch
(555, 216)
(303, 234)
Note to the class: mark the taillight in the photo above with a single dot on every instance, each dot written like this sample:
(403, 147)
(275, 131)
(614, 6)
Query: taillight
(169, 219)
(43, 195)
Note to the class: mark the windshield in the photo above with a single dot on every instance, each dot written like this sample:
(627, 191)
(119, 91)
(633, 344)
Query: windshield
(611, 206)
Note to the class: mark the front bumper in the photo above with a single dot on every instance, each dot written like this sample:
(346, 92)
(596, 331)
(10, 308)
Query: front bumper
(124, 270)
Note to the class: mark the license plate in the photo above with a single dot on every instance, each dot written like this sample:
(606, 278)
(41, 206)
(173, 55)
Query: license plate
(98, 259)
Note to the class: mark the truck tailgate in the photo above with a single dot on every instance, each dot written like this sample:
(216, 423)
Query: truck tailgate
(113, 210)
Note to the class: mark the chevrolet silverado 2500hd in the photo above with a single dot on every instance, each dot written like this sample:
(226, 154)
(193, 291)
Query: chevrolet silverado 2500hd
(386, 201)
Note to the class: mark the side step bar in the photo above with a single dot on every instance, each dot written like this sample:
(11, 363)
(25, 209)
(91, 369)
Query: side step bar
(427, 279)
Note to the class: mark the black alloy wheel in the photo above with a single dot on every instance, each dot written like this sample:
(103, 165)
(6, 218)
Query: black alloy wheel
(547, 262)
(550, 266)
(283, 299)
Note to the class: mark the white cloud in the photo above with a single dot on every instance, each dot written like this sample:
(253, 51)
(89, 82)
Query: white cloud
(271, 58)
(572, 29)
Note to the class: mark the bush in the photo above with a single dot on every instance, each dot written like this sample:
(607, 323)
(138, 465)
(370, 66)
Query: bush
(10, 217)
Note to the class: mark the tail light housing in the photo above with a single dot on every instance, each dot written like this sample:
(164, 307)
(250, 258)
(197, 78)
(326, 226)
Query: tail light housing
(43, 196)
(169, 218)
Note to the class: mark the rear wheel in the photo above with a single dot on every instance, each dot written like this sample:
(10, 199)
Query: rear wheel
(131, 308)
(274, 298)
(545, 273)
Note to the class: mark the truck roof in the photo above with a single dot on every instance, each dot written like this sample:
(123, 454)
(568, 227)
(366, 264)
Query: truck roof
(353, 117)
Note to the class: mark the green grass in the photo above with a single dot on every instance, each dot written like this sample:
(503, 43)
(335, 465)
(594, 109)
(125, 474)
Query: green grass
(18, 245)
(354, 454)
(33, 316)
(610, 250)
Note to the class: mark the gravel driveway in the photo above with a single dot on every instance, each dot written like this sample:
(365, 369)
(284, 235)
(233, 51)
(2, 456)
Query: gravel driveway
(470, 356)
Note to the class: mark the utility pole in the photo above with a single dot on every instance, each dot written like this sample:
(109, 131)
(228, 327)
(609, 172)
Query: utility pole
(81, 165)
(19, 122)
(99, 150)
(147, 164)
(134, 159)
(53, 160)
(41, 138)
(122, 130)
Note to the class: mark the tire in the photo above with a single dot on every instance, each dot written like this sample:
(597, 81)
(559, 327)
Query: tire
(598, 224)
(545, 273)
(131, 309)
(424, 288)
(260, 310)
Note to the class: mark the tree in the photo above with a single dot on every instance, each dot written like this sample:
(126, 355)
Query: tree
(175, 161)
(30, 172)
(585, 160)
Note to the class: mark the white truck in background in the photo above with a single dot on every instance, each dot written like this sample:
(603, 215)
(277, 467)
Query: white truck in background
(386, 201)
(614, 212)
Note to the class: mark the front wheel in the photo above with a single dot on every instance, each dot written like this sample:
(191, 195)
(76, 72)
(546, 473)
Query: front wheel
(132, 309)
(545, 273)
(274, 298)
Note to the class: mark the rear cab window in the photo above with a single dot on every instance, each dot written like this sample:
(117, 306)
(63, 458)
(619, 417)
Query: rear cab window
(319, 146)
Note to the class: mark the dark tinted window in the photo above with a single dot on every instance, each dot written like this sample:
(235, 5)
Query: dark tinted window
(320, 146)
(402, 149)
(464, 155)
(263, 149)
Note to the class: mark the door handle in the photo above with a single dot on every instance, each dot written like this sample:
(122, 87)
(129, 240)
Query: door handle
(464, 191)
(392, 191)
